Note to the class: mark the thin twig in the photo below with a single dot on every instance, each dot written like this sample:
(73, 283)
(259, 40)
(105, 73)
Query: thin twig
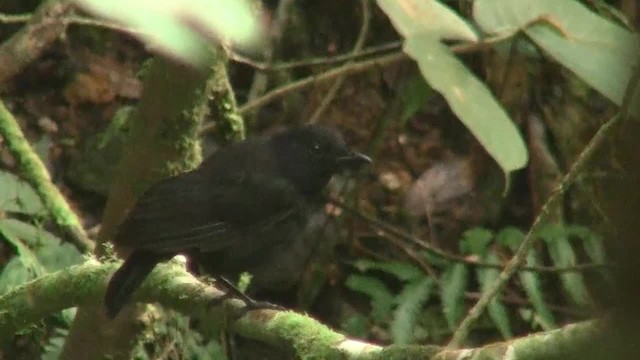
(358, 67)
(323, 60)
(333, 91)
(351, 56)
(428, 269)
(392, 230)
(348, 69)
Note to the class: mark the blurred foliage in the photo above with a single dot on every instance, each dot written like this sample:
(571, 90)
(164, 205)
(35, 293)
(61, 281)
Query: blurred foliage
(179, 28)
(402, 313)
(37, 251)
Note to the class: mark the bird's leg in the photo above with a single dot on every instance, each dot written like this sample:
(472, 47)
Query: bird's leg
(233, 291)
(250, 304)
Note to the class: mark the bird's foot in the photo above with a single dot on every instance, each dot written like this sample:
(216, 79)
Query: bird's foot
(250, 304)
(256, 305)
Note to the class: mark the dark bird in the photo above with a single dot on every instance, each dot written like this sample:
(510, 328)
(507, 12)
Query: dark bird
(239, 207)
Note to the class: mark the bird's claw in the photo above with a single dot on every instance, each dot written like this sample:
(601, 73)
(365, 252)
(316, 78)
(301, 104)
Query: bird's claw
(257, 305)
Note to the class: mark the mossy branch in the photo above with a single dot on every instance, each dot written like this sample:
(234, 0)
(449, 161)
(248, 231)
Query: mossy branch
(173, 287)
(35, 173)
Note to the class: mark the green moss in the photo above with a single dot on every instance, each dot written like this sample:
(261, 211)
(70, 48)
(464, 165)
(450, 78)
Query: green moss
(405, 352)
(311, 340)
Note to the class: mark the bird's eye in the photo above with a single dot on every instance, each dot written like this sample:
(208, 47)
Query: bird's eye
(315, 149)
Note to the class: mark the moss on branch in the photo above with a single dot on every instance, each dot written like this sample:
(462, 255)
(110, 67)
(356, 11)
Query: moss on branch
(35, 173)
(173, 287)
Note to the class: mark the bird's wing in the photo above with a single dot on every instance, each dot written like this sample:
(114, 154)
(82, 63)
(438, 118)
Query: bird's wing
(194, 211)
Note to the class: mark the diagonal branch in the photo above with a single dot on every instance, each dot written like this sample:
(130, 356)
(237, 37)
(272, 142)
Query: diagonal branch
(43, 28)
(35, 173)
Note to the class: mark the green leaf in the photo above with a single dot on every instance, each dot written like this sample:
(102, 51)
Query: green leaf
(356, 325)
(592, 243)
(562, 254)
(497, 311)
(51, 254)
(435, 260)
(31, 235)
(414, 94)
(510, 237)
(413, 16)
(593, 246)
(381, 298)
(179, 27)
(475, 241)
(401, 270)
(470, 100)
(58, 257)
(530, 281)
(454, 284)
(410, 302)
(18, 196)
(597, 50)
(14, 273)
(24, 253)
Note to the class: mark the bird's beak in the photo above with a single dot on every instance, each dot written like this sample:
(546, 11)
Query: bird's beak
(353, 161)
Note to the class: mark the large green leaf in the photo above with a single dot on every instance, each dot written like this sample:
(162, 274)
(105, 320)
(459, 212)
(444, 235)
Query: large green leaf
(597, 50)
(470, 100)
(414, 16)
(497, 311)
(454, 285)
(177, 27)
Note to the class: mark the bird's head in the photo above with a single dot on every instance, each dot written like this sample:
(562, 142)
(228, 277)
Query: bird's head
(308, 156)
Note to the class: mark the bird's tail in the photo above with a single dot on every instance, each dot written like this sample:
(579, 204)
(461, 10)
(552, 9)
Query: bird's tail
(126, 280)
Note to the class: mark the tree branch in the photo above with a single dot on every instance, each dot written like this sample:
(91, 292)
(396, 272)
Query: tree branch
(43, 28)
(173, 287)
(35, 173)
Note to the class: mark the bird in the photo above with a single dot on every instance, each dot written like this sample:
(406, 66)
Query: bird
(242, 205)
